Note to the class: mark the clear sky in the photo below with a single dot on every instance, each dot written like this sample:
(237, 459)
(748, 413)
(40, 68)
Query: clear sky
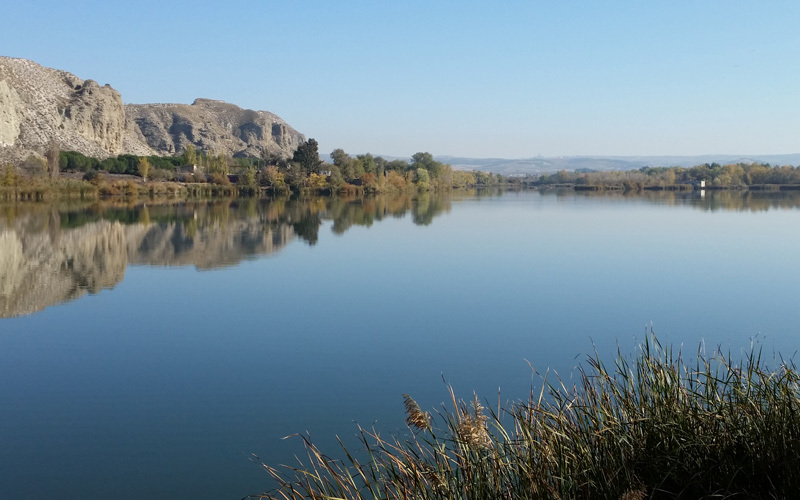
(464, 78)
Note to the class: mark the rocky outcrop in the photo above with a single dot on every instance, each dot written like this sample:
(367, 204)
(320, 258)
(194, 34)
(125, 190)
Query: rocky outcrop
(39, 105)
(209, 125)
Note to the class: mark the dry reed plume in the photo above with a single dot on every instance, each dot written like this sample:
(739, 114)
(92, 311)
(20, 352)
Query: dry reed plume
(415, 417)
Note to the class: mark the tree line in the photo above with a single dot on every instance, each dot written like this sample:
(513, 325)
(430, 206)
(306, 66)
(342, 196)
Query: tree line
(369, 173)
(304, 170)
(733, 175)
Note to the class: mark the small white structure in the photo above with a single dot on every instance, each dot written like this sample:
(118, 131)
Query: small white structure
(187, 169)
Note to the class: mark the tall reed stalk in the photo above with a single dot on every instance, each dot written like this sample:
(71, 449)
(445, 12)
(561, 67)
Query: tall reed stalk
(649, 426)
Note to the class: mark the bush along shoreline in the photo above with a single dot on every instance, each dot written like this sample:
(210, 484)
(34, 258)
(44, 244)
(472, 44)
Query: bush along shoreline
(653, 425)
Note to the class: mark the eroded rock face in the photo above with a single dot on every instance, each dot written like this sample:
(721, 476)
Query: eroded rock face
(39, 104)
(210, 125)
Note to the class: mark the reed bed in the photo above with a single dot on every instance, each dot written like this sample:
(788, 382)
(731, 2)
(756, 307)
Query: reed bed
(651, 425)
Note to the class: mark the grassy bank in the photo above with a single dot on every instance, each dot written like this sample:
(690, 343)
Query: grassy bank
(649, 426)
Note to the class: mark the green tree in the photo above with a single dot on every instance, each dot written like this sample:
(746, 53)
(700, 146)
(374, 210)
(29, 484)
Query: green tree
(216, 163)
(367, 163)
(307, 155)
(463, 179)
(247, 178)
(9, 177)
(189, 155)
(128, 164)
(481, 178)
(423, 179)
(421, 160)
(397, 165)
(75, 161)
(274, 158)
(295, 175)
(346, 164)
(380, 164)
(339, 157)
(335, 180)
(444, 179)
(426, 161)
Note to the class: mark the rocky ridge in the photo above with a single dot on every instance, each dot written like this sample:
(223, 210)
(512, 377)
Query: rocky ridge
(39, 105)
(209, 125)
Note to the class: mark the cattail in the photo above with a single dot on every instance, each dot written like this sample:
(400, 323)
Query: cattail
(416, 417)
(472, 427)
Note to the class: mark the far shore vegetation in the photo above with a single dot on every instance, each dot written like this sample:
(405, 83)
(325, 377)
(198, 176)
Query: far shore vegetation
(752, 176)
(654, 425)
(203, 174)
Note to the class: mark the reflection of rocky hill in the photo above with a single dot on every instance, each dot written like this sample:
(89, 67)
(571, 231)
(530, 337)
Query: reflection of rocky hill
(42, 264)
(48, 257)
(178, 244)
(44, 268)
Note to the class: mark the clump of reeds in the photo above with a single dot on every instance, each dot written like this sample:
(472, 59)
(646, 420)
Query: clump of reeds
(653, 426)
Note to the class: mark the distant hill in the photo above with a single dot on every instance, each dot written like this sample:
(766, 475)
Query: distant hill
(540, 164)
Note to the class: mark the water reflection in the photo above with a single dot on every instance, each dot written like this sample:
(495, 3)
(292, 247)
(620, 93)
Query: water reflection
(56, 253)
(710, 200)
(189, 372)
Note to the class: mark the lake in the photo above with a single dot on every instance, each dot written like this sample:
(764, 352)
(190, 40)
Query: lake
(146, 351)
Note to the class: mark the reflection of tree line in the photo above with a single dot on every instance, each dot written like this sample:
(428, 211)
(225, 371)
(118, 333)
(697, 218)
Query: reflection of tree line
(736, 201)
(305, 216)
(55, 253)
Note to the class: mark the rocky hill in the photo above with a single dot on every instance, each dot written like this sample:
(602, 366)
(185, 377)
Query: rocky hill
(39, 105)
(208, 124)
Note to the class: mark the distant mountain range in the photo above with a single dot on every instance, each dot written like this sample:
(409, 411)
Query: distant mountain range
(541, 164)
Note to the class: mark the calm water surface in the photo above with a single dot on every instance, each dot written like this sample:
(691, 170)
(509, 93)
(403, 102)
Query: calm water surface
(147, 351)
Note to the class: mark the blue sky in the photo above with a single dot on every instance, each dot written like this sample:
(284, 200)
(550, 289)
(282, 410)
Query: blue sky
(481, 79)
